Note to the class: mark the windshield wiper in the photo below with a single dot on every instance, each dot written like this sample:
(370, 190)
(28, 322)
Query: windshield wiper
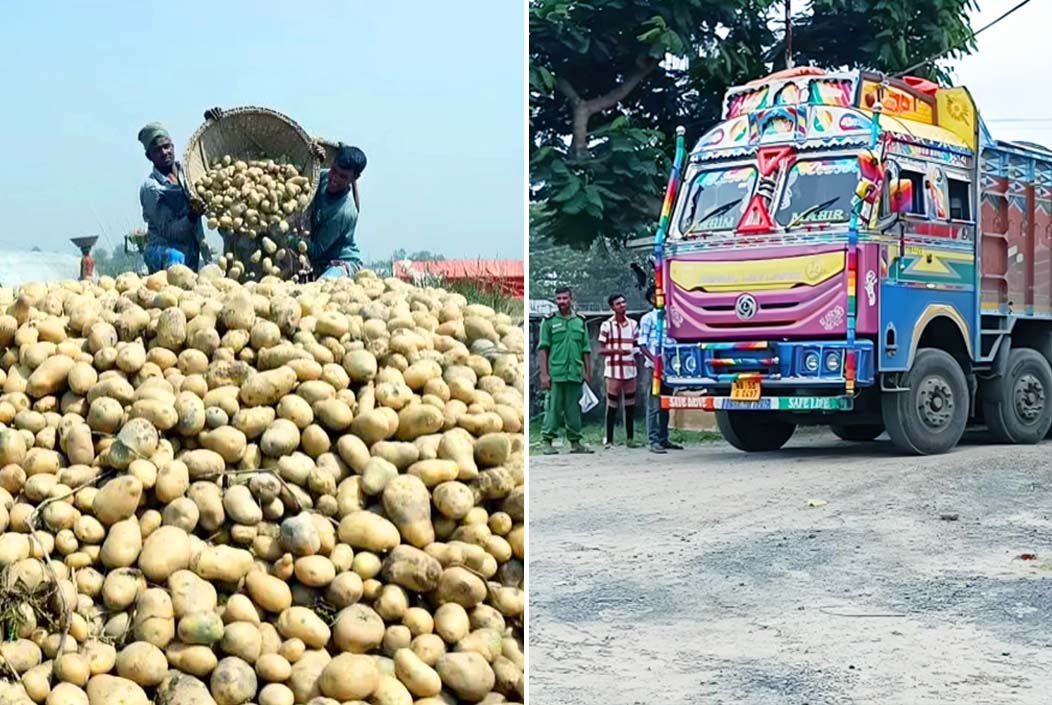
(799, 217)
(718, 210)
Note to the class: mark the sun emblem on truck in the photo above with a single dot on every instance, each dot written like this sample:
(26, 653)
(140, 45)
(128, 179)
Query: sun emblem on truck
(745, 306)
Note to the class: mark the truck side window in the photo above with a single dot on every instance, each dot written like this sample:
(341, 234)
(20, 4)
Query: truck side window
(959, 202)
(917, 178)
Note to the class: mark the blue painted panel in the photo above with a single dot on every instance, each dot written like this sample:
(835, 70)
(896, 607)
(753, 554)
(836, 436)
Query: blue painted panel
(903, 306)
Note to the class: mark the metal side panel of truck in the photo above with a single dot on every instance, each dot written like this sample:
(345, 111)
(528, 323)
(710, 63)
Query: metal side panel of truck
(856, 251)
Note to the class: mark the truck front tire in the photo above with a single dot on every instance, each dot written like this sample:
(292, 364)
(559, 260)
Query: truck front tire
(929, 416)
(754, 431)
(1018, 406)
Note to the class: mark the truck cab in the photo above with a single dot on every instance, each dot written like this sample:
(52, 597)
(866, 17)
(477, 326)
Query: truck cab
(853, 250)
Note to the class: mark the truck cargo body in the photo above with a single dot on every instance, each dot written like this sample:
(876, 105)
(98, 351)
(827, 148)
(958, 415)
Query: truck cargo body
(850, 250)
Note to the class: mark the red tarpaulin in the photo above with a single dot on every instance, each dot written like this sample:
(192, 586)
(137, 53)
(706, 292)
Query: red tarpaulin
(507, 276)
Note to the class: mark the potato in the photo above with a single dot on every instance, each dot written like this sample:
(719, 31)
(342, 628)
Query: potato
(154, 620)
(418, 420)
(357, 629)
(67, 694)
(492, 450)
(233, 682)
(273, 668)
(452, 622)
(117, 499)
(453, 499)
(412, 569)
(266, 388)
(112, 690)
(268, 592)
(349, 677)
(123, 544)
(467, 674)
(242, 639)
(72, 668)
(435, 471)
(421, 680)
(142, 663)
(361, 529)
(303, 624)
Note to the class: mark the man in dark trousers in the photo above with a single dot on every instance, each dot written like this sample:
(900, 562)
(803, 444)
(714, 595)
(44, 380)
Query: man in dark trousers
(617, 346)
(564, 358)
(657, 418)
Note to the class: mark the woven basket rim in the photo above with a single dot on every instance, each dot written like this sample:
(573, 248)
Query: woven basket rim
(313, 172)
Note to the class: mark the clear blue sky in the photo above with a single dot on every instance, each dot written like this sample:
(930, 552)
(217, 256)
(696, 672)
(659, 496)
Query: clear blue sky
(433, 92)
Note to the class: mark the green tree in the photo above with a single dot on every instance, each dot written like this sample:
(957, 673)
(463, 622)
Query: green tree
(888, 35)
(609, 82)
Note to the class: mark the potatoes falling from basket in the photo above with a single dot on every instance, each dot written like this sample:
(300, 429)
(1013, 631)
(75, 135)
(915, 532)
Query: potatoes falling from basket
(255, 205)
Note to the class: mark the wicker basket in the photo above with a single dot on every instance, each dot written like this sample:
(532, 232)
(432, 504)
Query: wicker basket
(251, 133)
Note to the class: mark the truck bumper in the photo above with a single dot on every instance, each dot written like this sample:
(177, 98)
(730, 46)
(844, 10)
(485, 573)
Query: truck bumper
(795, 403)
(818, 365)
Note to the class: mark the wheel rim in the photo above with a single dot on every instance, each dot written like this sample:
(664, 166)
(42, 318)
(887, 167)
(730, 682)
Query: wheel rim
(1029, 396)
(935, 402)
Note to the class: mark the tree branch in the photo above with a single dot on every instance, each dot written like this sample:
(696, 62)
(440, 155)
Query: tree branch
(644, 65)
(583, 110)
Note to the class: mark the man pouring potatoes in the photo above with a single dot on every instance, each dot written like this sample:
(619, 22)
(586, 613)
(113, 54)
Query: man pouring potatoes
(174, 232)
(334, 216)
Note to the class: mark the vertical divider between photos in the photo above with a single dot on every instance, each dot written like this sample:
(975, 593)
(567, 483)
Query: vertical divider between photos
(659, 253)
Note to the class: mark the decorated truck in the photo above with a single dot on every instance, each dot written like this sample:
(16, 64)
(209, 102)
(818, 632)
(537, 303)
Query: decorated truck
(853, 250)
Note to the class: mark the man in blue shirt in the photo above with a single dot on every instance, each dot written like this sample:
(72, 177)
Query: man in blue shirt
(174, 231)
(334, 216)
(657, 418)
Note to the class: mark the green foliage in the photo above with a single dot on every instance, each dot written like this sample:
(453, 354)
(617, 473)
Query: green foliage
(889, 35)
(609, 82)
(593, 274)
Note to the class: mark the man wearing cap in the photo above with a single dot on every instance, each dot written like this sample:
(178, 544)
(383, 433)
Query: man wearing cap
(334, 216)
(174, 233)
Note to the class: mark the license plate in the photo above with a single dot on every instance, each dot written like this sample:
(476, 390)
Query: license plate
(746, 390)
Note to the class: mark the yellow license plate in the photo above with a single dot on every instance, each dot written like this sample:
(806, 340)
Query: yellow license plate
(746, 390)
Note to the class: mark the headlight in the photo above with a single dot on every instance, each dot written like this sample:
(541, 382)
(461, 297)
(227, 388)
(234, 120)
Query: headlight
(833, 361)
(811, 362)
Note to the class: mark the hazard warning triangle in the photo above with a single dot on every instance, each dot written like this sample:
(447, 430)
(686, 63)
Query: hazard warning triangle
(769, 158)
(756, 218)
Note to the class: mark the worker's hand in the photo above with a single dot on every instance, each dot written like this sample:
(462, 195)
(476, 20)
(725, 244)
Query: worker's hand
(213, 113)
(546, 381)
(317, 149)
(197, 205)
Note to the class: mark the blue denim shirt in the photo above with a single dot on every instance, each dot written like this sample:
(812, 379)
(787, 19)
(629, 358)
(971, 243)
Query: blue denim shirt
(166, 210)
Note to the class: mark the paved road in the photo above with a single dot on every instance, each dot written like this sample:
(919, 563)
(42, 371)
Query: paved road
(704, 576)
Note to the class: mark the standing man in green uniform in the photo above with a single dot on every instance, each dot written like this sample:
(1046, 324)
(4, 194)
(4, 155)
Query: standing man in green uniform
(564, 356)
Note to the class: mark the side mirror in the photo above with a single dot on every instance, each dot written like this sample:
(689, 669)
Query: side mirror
(901, 196)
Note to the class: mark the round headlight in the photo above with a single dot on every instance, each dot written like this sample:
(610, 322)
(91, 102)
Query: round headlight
(833, 362)
(811, 362)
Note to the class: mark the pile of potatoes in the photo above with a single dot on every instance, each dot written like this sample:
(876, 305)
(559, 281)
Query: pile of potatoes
(253, 205)
(261, 493)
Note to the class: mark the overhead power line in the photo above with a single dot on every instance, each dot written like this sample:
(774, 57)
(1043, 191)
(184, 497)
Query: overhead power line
(958, 45)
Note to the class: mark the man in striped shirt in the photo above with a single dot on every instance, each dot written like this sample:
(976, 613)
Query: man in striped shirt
(617, 345)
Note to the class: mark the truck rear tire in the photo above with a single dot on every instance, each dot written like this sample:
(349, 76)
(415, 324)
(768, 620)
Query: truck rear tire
(859, 434)
(754, 431)
(1018, 406)
(930, 416)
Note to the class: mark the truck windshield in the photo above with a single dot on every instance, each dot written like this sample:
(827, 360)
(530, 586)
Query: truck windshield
(818, 191)
(716, 199)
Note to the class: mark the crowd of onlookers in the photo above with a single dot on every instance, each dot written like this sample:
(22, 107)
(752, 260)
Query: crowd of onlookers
(564, 356)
